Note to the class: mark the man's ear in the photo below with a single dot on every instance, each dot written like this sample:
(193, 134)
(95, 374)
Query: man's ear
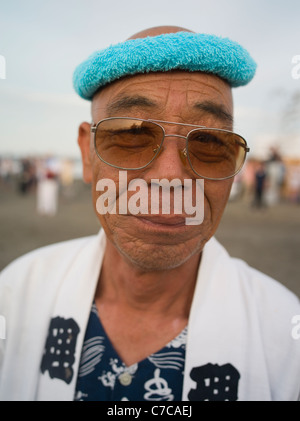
(84, 138)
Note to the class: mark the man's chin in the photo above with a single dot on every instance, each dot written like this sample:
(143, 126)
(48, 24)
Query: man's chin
(157, 258)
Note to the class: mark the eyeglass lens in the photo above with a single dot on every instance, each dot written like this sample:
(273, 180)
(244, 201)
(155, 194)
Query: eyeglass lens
(133, 144)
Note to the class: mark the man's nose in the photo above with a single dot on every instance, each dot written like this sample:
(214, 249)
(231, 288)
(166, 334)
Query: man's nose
(171, 161)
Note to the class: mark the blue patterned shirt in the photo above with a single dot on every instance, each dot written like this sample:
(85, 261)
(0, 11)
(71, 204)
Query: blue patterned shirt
(103, 376)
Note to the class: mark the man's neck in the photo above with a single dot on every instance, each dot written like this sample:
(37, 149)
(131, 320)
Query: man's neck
(162, 292)
(141, 311)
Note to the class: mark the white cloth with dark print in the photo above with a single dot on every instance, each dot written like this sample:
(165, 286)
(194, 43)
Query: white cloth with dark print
(239, 345)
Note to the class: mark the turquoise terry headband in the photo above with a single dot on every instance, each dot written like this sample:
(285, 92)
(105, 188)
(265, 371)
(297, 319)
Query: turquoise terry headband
(181, 50)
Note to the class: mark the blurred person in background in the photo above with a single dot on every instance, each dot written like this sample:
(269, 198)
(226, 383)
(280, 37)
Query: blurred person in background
(66, 177)
(260, 185)
(27, 179)
(47, 187)
(276, 173)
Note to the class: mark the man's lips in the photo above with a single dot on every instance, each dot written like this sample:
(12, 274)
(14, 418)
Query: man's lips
(173, 220)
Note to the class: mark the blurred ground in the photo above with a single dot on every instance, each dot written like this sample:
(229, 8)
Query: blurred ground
(267, 239)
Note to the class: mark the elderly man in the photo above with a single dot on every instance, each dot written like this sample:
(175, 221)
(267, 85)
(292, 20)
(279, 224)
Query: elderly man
(152, 308)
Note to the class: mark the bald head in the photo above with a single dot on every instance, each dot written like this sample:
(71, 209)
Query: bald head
(150, 32)
(158, 30)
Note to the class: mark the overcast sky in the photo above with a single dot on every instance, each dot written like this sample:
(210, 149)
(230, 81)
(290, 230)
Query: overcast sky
(43, 41)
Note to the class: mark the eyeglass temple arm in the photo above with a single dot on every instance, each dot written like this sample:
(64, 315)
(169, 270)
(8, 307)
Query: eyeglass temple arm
(247, 149)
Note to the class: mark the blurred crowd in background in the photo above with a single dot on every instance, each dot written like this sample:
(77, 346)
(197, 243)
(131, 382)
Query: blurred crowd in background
(268, 182)
(261, 183)
(47, 177)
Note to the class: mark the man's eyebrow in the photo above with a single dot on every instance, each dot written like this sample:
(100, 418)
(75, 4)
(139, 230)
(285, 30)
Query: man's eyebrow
(126, 103)
(214, 109)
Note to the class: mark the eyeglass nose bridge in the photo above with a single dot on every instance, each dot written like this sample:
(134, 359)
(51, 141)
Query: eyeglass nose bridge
(175, 135)
(184, 150)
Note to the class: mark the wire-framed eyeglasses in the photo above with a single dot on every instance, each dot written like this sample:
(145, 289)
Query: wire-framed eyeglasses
(132, 144)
